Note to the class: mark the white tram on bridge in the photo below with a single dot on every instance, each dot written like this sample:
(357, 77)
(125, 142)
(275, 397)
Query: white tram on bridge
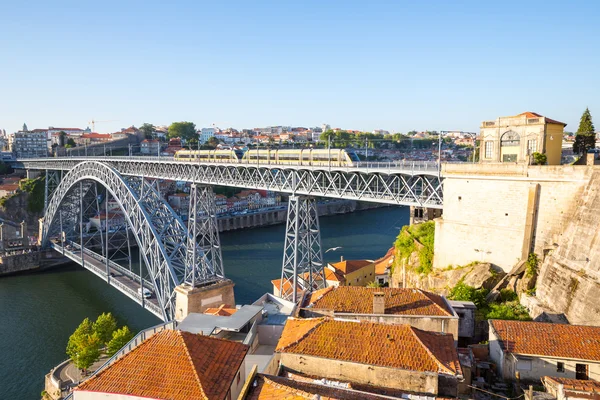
(309, 157)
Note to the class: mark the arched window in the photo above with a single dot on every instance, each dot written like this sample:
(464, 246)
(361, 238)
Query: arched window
(510, 138)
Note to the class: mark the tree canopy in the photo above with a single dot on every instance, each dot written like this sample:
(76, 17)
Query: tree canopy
(104, 327)
(184, 130)
(585, 137)
(120, 338)
(148, 130)
(86, 343)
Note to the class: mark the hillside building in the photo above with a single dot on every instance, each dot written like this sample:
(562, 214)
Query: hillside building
(515, 139)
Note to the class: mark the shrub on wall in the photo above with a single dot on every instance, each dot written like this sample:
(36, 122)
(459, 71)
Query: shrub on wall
(405, 244)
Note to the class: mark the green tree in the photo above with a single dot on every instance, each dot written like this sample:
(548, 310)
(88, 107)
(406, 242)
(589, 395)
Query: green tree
(89, 351)
(148, 130)
(120, 338)
(70, 143)
(62, 136)
(374, 284)
(585, 138)
(184, 130)
(539, 158)
(212, 142)
(104, 327)
(83, 346)
(464, 292)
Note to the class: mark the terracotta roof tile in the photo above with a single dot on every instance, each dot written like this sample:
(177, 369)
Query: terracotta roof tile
(382, 264)
(223, 310)
(552, 340)
(394, 346)
(399, 301)
(575, 384)
(276, 387)
(173, 365)
(530, 114)
(349, 266)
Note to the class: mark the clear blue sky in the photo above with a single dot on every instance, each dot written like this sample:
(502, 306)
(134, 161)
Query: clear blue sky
(396, 65)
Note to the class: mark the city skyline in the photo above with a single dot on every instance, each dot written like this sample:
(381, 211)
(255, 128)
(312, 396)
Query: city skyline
(391, 66)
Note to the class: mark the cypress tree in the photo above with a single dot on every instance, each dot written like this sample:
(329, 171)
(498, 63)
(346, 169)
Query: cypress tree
(585, 137)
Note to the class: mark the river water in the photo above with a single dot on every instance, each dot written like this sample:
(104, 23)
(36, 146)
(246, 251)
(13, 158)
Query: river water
(39, 311)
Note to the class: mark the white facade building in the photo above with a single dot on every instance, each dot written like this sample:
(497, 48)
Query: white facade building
(207, 133)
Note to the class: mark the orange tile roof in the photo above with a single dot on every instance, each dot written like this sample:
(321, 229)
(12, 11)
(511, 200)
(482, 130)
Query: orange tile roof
(173, 365)
(223, 310)
(551, 340)
(270, 387)
(530, 114)
(382, 264)
(398, 301)
(349, 266)
(393, 346)
(574, 384)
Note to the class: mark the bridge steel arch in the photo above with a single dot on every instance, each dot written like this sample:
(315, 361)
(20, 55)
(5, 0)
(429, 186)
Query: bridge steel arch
(158, 231)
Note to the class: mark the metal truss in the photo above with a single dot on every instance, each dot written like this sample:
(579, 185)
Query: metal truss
(159, 232)
(53, 178)
(204, 259)
(302, 267)
(398, 186)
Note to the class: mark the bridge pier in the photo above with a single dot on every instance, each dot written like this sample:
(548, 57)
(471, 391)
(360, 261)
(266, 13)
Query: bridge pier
(302, 266)
(189, 299)
(204, 261)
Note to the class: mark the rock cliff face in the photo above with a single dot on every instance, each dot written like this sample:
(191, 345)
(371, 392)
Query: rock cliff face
(569, 279)
(441, 281)
(15, 209)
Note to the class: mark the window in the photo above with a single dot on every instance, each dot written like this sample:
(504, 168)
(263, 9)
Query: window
(532, 146)
(489, 147)
(581, 371)
(560, 367)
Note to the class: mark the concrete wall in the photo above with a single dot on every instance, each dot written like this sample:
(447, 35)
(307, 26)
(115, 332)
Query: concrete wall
(424, 382)
(269, 334)
(197, 300)
(426, 323)
(498, 213)
(362, 276)
(19, 262)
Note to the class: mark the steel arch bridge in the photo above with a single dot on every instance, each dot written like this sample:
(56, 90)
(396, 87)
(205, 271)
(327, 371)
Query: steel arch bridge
(404, 183)
(176, 254)
(169, 252)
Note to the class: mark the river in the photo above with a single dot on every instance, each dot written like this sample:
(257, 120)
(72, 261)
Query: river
(40, 310)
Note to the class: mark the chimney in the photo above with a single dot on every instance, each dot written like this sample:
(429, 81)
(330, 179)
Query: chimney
(341, 258)
(378, 303)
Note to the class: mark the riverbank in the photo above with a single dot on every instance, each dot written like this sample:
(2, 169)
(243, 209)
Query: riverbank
(278, 215)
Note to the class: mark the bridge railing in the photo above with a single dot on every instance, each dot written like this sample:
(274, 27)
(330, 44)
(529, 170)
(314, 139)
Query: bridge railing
(129, 292)
(404, 165)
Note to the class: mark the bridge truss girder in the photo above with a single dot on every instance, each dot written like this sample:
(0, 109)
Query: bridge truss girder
(398, 187)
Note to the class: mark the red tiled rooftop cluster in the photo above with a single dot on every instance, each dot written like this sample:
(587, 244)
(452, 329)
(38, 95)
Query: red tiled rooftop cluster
(359, 300)
(395, 346)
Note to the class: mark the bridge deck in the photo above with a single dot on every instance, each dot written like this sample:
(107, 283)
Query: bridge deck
(398, 183)
(119, 278)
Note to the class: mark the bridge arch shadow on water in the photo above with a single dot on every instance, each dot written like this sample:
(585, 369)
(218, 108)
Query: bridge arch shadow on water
(161, 236)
